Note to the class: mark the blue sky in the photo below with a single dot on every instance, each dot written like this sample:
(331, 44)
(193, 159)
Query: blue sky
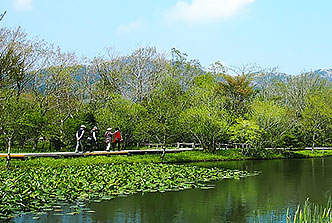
(294, 35)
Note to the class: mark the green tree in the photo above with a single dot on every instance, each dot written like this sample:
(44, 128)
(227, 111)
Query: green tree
(206, 119)
(207, 124)
(163, 110)
(58, 93)
(317, 116)
(274, 121)
(247, 132)
(121, 113)
(9, 119)
(21, 121)
(19, 58)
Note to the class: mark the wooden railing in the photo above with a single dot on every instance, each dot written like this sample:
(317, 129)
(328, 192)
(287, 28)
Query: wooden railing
(157, 145)
(183, 144)
(233, 145)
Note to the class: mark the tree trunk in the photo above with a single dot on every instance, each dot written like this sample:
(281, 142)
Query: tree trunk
(8, 153)
(35, 145)
(313, 143)
(61, 131)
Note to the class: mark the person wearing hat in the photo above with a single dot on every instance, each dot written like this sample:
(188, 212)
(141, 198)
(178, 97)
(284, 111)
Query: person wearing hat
(93, 138)
(108, 138)
(79, 138)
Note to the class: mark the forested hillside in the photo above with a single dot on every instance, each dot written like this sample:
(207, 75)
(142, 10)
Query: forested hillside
(46, 94)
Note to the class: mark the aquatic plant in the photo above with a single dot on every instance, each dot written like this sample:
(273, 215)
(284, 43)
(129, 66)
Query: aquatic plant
(305, 213)
(36, 187)
(312, 213)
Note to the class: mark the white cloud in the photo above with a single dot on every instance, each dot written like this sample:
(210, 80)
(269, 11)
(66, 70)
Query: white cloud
(22, 5)
(130, 27)
(206, 10)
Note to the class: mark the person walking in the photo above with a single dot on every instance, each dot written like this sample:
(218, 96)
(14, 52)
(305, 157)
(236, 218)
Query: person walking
(93, 138)
(108, 138)
(79, 138)
(117, 138)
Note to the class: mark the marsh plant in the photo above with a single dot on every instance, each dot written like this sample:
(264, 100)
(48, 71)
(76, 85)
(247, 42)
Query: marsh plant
(306, 213)
(37, 187)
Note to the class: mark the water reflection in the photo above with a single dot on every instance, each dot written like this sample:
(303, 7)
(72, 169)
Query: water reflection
(282, 184)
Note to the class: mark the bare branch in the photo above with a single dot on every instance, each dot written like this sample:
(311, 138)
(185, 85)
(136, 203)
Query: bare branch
(2, 15)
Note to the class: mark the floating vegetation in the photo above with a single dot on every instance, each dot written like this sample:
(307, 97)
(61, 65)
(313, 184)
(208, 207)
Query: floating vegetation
(44, 187)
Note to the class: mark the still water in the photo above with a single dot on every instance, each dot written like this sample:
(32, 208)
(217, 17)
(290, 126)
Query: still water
(282, 184)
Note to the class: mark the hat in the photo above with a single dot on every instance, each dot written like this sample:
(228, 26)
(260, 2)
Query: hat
(95, 127)
(83, 126)
(109, 129)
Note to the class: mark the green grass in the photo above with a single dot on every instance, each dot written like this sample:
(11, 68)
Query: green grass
(183, 157)
(316, 153)
(231, 154)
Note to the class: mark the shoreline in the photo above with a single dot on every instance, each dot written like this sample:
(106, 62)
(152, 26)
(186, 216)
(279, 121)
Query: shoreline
(174, 158)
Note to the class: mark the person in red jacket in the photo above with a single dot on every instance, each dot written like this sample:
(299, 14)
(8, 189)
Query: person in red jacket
(117, 138)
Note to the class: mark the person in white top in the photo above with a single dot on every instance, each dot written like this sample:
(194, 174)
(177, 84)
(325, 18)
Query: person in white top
(108, 138)
(79, 138)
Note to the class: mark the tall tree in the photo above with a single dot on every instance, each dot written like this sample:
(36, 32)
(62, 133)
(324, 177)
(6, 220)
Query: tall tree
(317, 116)
(19, 58)
(237, 91)
(274, 121)
(184, 70)
(206, 119)
(292, 91)
(58, 93)
(106, 75)
(142, 71)
(163, 110)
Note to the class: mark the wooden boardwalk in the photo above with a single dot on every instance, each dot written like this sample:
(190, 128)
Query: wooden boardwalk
(125, 152)
(94, 153)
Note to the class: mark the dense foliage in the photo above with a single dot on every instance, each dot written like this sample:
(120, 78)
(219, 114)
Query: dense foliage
(47, 94)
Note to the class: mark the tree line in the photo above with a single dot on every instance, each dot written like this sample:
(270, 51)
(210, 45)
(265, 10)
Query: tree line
(46, 94)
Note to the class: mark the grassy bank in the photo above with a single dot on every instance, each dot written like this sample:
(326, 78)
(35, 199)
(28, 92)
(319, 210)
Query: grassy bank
(219, 155)
(183, 157)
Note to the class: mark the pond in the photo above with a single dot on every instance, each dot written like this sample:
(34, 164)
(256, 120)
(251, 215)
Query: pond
(282, 184)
